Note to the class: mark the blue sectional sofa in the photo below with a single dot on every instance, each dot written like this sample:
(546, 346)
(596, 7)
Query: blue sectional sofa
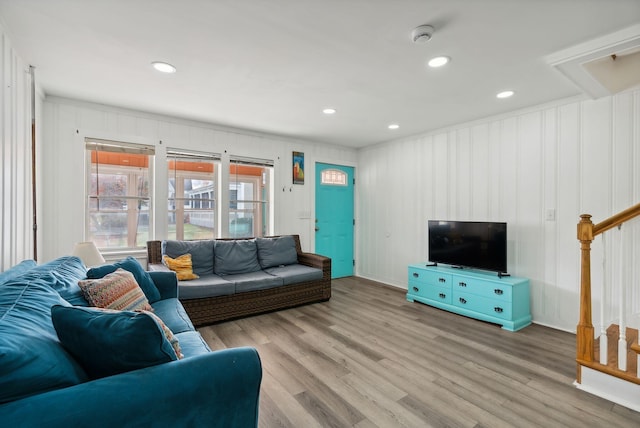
(246, 276)
(47, 381)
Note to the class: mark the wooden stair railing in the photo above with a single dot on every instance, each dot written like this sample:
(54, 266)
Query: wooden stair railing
(586, 232)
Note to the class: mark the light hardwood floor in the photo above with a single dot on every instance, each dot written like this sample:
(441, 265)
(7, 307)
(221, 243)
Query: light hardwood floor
(369, 358)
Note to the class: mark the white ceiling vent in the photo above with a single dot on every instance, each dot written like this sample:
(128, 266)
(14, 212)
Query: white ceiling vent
(602, 66)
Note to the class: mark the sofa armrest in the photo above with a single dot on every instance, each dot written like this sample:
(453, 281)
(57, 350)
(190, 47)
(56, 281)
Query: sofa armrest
(166, 282)
(217, 389)
(312, 260)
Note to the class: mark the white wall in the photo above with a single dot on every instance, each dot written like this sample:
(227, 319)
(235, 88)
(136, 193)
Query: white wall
(68, 121)
(572, 157)
(16, 214)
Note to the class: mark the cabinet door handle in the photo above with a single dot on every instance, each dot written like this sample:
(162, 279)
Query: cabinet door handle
(463, 301)
(498, 309)
(416, 289)
(442, 280)
(416, 274)
(462, 284)
(498, 291)
(442, 295)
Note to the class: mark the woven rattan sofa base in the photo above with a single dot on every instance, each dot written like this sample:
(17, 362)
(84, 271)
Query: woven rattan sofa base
(209, 310)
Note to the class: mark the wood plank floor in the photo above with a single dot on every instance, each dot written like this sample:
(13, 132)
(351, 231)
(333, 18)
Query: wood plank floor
(369, 358)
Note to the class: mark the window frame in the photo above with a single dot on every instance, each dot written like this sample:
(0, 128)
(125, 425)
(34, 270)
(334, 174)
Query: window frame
(178, 176)
(92, 145)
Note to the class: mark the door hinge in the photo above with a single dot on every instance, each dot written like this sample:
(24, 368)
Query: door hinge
(354, 181)
(354, 221)
(354, 262)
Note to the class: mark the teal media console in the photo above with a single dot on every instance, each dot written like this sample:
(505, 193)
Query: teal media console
(476, 294)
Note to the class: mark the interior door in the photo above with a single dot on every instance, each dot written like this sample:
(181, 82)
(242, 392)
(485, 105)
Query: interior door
(334, 223)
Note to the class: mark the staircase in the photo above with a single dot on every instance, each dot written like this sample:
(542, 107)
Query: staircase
(607, 361)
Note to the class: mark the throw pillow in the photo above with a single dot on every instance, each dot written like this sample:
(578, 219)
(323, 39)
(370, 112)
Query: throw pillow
(201, 253)
(118, 290)
(132, 265)
(181, 266)
(280, 251)
(108, 342)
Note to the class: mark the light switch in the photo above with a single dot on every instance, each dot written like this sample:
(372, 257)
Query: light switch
(550, 215)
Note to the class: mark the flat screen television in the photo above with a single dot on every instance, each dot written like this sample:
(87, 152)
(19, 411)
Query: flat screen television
(472, 244)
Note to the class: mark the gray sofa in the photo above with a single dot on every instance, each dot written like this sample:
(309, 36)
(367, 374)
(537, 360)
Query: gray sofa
(240, 277)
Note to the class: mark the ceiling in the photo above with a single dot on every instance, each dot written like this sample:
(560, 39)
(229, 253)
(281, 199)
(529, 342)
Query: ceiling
(272, 65)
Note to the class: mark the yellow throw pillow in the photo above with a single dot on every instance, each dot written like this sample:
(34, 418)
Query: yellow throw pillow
(181, 266)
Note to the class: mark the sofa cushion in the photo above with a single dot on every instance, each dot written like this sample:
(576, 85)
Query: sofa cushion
(117, 290)
(32, 359)
(201, 253)
(293, 274)
(182, 266)
(192, 344)
(236, 256)
(67, 271)
(16, 270)
(279, 251)
(132, 265)
(254, 281)
(205, 286)
(107, 342)
(173, 314)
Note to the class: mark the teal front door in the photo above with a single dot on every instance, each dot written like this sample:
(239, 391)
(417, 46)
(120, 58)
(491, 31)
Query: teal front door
(334, 217)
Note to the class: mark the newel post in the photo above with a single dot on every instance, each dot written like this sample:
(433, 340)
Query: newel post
(584, 331)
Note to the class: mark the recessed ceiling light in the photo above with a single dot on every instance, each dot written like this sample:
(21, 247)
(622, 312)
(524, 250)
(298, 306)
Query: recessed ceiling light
(438, 61)
(163, 67)
(505, 94)
(329, 111)
(393, 126)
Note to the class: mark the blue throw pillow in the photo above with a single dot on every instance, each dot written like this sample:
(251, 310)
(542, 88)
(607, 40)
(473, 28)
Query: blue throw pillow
(233, 257)
(279, 251)
(32, 360)
(132, 265)
(16, 270)
(107, 342)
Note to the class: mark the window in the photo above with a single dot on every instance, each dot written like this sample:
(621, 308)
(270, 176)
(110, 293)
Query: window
(118, 194)
(333, 177)
(192, 195)
(250, 193)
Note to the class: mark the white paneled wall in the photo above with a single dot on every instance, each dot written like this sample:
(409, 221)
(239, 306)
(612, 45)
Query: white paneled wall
(68, 121)
(16, 215)
(569, 158)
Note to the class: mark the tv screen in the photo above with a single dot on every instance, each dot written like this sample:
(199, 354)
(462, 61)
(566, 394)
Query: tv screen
(474, 244)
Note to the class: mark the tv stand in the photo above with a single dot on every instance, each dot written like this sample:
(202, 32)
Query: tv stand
(503, 300)
(503, 274)
(431, 264)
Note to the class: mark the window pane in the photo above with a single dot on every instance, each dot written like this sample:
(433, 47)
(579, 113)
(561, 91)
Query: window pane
(108, 229)
(241, 224)
(118, 199)
(249, 190)
(191, 204)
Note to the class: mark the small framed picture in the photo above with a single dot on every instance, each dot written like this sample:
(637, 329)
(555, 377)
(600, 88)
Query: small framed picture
(298, 168)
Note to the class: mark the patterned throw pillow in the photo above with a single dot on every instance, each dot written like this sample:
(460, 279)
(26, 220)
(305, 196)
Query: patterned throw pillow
(173, 340)
(118, 290)
(182, 266)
